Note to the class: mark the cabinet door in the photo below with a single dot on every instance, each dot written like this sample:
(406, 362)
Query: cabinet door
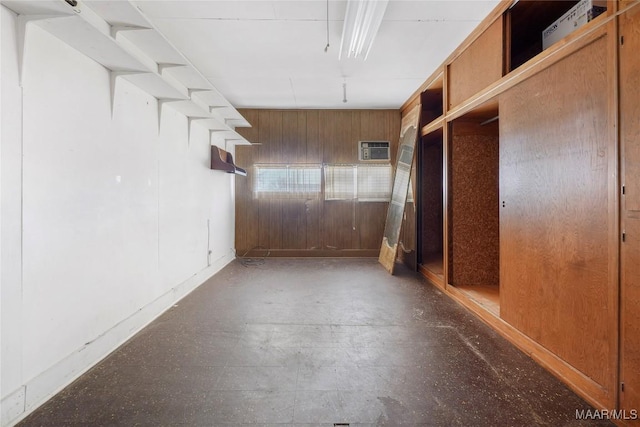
(477, 67)
(630, 215)
(556, 249)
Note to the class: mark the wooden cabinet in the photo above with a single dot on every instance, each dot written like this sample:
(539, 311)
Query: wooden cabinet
(630, 215)
(477, 66)
(554, 220)
(532, 206)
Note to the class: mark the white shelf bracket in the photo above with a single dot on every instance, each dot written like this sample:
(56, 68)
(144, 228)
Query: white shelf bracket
(131, 48)
(194, 91)
(164, 66)
(21, 36)
(211, 132)
(189, 121)
(119, 28)
(113, 78)
(161, 103)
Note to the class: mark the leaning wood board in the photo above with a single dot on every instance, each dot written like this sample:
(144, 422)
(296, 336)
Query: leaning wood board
(395, 212)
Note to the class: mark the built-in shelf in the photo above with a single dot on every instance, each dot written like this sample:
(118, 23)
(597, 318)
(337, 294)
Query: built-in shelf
(223, 160)
(117, 35)
(473, 258)
(432, 101)
(430, 221)
(526, 21)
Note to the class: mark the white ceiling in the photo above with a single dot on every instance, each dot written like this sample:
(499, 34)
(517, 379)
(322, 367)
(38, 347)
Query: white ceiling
(270, 54)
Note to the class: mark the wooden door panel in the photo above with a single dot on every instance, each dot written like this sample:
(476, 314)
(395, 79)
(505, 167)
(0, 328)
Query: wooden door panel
(630, 215)
(554, 216)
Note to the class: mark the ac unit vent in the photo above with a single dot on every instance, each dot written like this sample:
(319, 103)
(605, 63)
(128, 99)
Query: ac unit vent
(373, 151)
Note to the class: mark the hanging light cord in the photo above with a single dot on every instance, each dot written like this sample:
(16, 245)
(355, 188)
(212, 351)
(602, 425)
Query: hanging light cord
(326, 48)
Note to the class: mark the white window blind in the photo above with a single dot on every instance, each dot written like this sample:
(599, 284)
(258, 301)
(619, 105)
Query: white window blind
(366, 183)
(374, 183)
(340, 182)
(287, 181)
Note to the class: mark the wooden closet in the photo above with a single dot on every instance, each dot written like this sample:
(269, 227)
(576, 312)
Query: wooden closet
(528, 190)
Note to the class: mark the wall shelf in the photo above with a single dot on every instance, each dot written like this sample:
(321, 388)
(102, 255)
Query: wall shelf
(118, 36)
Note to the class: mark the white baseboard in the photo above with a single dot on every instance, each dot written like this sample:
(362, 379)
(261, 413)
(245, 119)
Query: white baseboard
(28, 397)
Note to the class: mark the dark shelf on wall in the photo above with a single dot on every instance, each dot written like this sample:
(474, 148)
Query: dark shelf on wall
(223, 161)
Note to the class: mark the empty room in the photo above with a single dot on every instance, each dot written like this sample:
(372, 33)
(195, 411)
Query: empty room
(319, 213)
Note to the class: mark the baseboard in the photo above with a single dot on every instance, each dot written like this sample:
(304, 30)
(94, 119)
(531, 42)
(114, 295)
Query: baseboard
(303, 253)
(28, 397)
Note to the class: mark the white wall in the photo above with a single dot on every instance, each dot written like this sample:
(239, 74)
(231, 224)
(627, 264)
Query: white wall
(104, 215)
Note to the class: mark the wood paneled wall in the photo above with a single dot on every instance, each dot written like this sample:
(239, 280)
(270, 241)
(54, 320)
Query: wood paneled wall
(310, 227)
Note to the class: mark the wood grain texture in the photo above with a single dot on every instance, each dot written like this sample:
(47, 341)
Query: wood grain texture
(477, 67)
(474, 227)
(630, 107)
(312, 137)
(554, 259)
(630, 215)
(370, 220)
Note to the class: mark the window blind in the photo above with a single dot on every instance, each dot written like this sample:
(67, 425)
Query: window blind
(287, 181)
(366, 183)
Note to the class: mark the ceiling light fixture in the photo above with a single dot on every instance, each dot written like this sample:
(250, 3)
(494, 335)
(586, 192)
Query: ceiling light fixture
(361, 23)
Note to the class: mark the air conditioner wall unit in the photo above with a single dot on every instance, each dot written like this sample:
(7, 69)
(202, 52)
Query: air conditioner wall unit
(373, 151)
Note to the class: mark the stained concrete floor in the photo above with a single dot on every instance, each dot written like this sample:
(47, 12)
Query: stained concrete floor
(315, 342)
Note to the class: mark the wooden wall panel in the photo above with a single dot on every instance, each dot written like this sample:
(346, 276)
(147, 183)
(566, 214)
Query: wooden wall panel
(310, 136)
(477, 67)
(554, 227)
(337, 224)
(630, 215)
(475, 243)
(314, 146)
(370, 220)
(313, 211)
(630, 315)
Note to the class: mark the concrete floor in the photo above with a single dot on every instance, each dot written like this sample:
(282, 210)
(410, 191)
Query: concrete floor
(315, 342)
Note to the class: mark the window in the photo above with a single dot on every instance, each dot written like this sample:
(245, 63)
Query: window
(287, 181)
(366, 183)
(374, 183)
(340, 182)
